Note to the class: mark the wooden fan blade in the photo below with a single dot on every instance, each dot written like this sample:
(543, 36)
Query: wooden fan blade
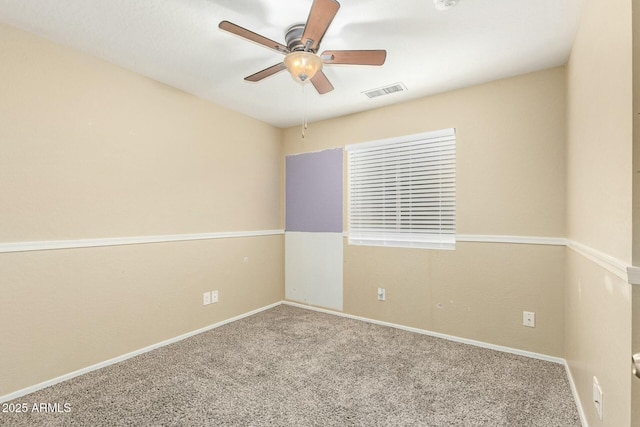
(321, 83)
(254, 37)
(354, 57)
(320, 17)
(266, 72)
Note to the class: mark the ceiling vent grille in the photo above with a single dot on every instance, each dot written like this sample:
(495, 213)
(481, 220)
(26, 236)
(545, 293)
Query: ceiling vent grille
(397, 87)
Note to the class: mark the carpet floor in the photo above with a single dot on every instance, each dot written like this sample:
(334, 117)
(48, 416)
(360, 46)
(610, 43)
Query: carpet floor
(288, 366)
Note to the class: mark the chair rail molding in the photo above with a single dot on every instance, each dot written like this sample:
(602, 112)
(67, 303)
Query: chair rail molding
(631, 274)
(120, 241)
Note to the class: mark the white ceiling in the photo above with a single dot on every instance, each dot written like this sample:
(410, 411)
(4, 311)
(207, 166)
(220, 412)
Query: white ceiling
(178, 42)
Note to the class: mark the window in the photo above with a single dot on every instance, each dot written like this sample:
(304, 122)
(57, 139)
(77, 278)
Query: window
(402, 191)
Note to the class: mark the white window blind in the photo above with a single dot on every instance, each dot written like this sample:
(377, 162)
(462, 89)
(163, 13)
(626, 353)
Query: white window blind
(402, 191)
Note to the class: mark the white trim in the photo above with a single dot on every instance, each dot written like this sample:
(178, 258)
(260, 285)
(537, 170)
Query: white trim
(576, 397)
(65, 377)
(482, 344)
(526, 240)
(119, 241)
(634, 275)
(613, 265)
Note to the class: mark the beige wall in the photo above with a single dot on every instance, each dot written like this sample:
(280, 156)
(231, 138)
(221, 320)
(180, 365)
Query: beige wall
(510, 181)
(510, 149)
(64, 310)
(636, 133)
(478, 291)
(598, 320)
(599, 168)
(599, 206)
(635, 395)
(91, 151)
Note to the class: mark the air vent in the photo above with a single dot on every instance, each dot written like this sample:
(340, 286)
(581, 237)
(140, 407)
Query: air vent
(397, 87)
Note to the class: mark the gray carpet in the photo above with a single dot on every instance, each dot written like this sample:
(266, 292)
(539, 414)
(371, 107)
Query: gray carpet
(293, 367)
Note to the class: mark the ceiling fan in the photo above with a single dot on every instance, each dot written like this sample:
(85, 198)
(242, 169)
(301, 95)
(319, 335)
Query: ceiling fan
(303, 43)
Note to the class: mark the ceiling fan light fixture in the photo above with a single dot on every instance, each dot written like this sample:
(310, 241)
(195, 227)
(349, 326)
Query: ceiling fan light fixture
(302, 65)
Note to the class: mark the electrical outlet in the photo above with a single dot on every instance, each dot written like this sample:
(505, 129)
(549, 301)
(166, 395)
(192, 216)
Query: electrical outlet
(206, 298)
(597, 398)
(382, 294)
(529, 319)
(214, 297)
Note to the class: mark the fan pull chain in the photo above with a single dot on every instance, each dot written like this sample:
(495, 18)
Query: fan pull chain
(304, 111)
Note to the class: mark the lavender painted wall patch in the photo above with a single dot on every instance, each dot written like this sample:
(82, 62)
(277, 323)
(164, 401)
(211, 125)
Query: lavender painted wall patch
(314, 191)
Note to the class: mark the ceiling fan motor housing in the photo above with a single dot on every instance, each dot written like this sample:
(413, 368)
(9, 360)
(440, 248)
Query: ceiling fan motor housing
(293, 38)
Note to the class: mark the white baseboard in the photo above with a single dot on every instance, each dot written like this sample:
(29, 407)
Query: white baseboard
(118, 359)
(576, 397)
(482, 344)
